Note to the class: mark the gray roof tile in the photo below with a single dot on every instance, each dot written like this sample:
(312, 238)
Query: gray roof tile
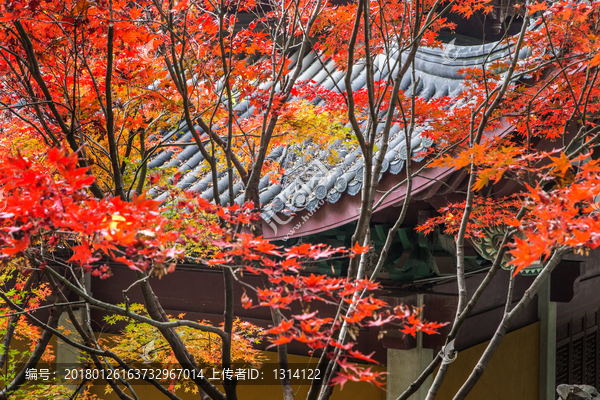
(303, 185)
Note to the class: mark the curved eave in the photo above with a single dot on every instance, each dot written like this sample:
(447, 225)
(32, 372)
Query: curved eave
(347, 208)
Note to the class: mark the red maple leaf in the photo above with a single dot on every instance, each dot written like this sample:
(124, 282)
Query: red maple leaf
(361, 356)
(358, 249)
(83, 254)
(281, 328)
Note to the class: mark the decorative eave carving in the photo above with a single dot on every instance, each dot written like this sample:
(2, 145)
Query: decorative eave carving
(488, 246)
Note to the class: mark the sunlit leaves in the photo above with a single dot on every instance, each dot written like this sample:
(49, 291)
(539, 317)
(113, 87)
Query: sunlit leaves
(485, 213)
(565, 216)
(45, 203)
(492, 160)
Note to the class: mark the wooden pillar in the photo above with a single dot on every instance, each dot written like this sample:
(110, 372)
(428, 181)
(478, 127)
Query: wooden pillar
(405, 366)
(68, 357)
(547, 317)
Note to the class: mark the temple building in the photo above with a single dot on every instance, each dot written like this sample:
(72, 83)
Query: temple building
(554, 340)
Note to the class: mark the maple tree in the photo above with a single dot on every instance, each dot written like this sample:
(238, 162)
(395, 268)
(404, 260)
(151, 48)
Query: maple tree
(134, 234)
(109, 81)
(553, 212)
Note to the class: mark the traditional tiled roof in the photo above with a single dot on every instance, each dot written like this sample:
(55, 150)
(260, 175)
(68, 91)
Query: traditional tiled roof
(303, 185)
